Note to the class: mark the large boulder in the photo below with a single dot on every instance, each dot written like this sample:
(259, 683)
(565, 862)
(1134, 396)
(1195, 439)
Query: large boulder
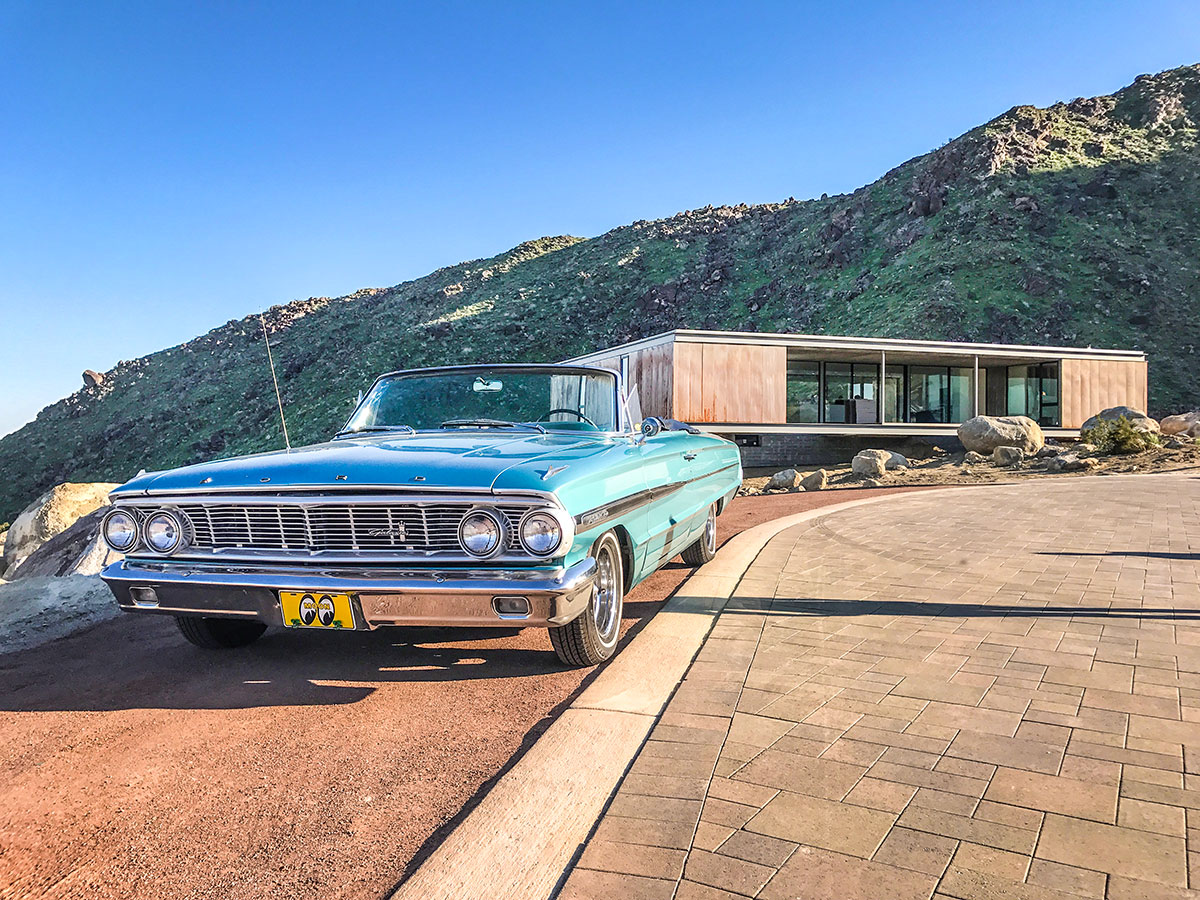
(77, 551)
(50, 514)
(1139, 420)
(781, 481)
(870, 463)
(983, 434)
(1185, 423)
(815, 481)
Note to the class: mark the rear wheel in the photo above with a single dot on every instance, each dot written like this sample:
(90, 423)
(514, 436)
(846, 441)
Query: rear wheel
(219, 634)
(705, 547)
(591, 638)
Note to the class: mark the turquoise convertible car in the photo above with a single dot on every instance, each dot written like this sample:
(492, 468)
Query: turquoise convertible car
(510, 495)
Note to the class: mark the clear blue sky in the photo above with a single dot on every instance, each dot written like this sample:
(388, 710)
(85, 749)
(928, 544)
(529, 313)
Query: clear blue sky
(165, 167)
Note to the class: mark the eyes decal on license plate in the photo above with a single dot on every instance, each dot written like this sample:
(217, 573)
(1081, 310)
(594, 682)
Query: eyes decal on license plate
(315, 609)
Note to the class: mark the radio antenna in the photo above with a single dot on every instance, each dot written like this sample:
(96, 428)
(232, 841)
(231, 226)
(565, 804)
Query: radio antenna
(278, 399)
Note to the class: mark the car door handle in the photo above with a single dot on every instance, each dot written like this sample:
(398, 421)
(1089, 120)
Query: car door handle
(689, 456)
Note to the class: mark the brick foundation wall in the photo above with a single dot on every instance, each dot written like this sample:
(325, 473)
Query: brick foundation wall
(784, 450)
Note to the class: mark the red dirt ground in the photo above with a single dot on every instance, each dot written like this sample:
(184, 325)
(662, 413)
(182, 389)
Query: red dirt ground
(309, 765)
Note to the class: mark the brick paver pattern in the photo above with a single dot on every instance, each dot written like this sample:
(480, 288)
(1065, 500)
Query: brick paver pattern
(984, 693)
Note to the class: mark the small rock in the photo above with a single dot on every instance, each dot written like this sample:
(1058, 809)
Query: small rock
(871, 482)
(1081, 447)
(971, 458)
(1071, 462)
(1048, 451)
(1174, 442)
(896, 460)
(817, 481)
(870, 463)
(782, 481)
(92, 379)
(1008, 456)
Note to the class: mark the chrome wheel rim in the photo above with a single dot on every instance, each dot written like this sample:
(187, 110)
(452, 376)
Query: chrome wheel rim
(710, 530)
(606, 596)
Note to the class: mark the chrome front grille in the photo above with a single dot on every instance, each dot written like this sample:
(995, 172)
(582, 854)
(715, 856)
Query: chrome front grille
(332, 528)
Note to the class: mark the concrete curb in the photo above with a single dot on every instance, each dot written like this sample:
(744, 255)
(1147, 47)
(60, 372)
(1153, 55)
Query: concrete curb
(525, 832)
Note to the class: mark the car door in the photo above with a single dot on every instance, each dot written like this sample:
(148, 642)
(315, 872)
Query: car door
(670, 461)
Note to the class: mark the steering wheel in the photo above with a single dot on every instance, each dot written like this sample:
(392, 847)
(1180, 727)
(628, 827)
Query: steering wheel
(571, 412)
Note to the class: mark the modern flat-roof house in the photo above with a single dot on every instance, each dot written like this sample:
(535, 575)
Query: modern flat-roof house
(814, 399)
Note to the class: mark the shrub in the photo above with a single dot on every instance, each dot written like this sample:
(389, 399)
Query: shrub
(1119, 436)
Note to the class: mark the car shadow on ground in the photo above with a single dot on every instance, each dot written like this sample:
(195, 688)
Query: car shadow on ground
(829, 608)
(130, 663)
(1146, 554)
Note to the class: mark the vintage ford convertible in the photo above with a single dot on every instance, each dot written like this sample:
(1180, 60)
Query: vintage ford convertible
(508, 495)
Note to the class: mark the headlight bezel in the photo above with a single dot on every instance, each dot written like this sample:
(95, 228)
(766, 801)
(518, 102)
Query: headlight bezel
(136, 533)
(182, 535)
(497, 521)
(547, 513)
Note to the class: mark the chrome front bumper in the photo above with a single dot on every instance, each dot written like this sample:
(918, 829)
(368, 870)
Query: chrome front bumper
(465, 597)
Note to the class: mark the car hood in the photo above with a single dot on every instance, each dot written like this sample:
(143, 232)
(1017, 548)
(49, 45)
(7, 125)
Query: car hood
(452, 459)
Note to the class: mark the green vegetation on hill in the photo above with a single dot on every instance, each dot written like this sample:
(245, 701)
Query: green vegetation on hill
(1076, 224)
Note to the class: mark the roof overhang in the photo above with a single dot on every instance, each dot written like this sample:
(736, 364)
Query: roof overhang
(870, 349)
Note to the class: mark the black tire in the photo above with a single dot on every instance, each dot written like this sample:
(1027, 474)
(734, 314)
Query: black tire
(705, 547)
(592, 637)
(219, 634)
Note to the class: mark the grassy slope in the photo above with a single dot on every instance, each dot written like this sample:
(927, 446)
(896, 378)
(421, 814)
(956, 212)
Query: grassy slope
(1105, 251)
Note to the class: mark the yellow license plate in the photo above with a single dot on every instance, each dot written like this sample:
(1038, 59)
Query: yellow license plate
(315, 609)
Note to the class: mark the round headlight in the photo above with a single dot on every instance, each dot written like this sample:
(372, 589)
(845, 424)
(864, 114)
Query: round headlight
(163, 532)
(119, 530)
(480, 533)
(540, 533)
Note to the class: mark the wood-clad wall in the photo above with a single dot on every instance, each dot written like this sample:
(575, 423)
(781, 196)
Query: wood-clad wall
(1090, 385)
(650, 371)
(730, 383)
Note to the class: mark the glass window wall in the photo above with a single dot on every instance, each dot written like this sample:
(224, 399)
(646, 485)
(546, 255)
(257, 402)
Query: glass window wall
(803, 391)
(849, 393)
(1033, 392)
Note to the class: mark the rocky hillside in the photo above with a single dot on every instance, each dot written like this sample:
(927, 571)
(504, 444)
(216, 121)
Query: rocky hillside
(1076, 224)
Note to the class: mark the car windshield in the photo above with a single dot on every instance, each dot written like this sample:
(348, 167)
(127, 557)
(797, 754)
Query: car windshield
(533, 398)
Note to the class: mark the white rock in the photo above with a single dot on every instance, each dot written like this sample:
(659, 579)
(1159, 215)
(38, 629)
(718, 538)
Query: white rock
(971, 458)
(896, 460)
(983, 434)
(870, 463)
(50, 514)
(782, 481)
(1071, 462)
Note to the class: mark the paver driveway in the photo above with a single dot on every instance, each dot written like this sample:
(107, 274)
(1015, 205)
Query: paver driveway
(981, 693)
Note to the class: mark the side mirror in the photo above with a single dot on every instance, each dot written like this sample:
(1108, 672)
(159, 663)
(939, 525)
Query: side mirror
(651, 425)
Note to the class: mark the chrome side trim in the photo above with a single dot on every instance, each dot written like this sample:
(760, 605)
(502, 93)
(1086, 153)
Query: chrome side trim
(600, 515)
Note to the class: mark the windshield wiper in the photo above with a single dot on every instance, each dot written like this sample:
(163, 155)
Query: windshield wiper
(408, 429)
(491, 423)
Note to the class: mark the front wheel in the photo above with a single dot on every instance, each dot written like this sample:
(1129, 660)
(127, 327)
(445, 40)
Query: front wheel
(705, 547)
(591, 638)
(219, 634)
